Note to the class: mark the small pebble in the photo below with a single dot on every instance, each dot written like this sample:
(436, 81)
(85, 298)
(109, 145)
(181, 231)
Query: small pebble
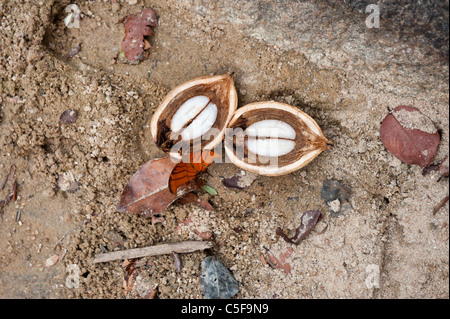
(335, 205)
(68, 117)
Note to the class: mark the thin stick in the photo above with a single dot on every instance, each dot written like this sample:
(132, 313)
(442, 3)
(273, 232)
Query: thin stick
(12, 170)
(439, 206)
(162, 249)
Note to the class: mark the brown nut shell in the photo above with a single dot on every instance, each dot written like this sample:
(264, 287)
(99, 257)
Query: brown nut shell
(309, 140)
(219, 89)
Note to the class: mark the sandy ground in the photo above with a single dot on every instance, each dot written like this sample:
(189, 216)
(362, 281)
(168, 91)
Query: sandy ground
(324, 61)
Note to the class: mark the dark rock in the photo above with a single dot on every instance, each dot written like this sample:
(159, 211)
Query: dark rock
(216, 280)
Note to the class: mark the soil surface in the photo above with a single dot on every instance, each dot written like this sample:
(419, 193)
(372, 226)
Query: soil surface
(316, 55)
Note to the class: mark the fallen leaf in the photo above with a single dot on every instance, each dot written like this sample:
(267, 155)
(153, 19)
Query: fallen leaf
(51, 261)
(307, 222)
(186, 222)
(209, 190)
(147, 193)
(410, 136)
(125, 263)
(240, 180)
(204, 234)
(136, 27)
(129, 278)
(216, 280)
(263, 260)
(281, 262)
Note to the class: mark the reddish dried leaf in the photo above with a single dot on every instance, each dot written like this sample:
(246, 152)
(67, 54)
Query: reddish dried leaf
(129, 278)
(410, 136)
(51, 261)
(281, 262)
(147, 192)
(136, 27)
(186, 222)
(206, 235)
(263, 260)
(307, 223)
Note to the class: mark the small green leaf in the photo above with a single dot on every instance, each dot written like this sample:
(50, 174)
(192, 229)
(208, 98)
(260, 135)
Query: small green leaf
(209, 190)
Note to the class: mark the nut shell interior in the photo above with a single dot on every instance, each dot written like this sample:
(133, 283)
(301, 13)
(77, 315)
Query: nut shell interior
(220, 91)
(308, 140)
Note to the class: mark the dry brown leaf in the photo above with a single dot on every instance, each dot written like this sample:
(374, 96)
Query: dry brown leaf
(206, 235)
(147, 193)
(136, 27)
(410, 136)
(240, 180)
(51, 261)
(308, 220)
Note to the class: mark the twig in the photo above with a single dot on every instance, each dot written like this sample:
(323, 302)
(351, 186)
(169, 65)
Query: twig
(439, 206)
(176, 258)
(162, 249)
(10, 176)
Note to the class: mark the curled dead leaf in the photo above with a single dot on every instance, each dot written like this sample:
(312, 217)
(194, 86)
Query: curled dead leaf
(410, 136)
(136, 27)
(240, 180)
(308, 220)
